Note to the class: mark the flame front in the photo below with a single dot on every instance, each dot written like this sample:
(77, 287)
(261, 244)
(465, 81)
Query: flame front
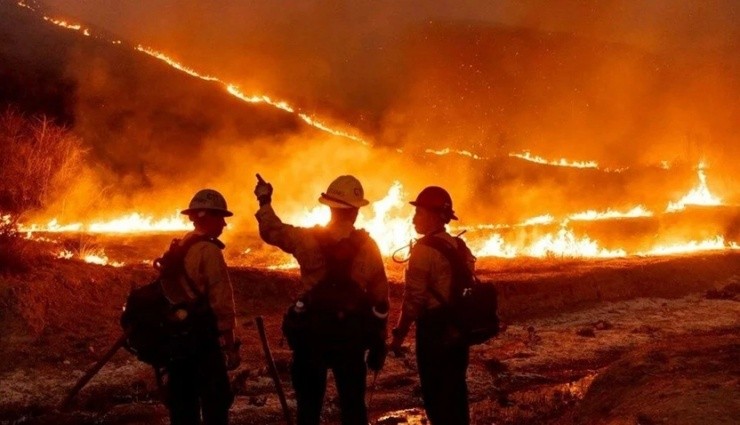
(526, 155)
(389, 222)
(131, 223)
(590, 215)
(700, 195)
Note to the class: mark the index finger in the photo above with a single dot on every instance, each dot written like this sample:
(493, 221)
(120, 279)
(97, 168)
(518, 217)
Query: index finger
(259, 178)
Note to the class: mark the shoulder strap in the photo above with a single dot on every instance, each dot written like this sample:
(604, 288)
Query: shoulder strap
(340, 254)
(454, 255)
(172, 263)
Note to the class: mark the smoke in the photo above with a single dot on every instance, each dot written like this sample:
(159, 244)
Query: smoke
(621, 82)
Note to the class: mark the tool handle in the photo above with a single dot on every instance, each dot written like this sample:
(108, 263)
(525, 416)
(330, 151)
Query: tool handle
(93, 371)
(271, 367)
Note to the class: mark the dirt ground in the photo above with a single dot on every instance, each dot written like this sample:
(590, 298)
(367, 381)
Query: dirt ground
(641, 340)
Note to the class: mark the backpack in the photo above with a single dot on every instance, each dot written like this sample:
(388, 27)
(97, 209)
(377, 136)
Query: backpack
(151, 322)
(336, 308)
(473, 304)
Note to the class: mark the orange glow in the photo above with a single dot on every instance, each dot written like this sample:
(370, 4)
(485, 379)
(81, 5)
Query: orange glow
(700, 195)
(97, 257)
(565, 244)
(132, 223)
(173, 63)
(526, 155)
(495, 246)
(52, 226)
(590, 215)
(22, 4)
(539, 220)
(447, 151)
(712, 244)
(390, 222)
(230, 88)
(288, 265)
(63, 24)
(260, 98)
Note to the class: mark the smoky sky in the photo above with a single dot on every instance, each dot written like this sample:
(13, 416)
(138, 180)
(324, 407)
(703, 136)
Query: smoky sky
(623, 82)
(371, 64)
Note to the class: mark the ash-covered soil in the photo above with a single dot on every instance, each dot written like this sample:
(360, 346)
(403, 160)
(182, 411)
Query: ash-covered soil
(639, 340)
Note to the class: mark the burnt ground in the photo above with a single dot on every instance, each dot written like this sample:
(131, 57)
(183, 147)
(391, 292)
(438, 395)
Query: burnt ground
(639, 340)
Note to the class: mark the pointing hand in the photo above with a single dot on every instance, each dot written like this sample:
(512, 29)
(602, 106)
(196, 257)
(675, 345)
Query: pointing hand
(263, 191)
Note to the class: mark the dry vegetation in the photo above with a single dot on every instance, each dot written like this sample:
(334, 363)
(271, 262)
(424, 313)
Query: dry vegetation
(38, 159)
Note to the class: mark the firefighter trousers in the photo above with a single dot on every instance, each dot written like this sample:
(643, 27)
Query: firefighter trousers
(442, 361)
(309, 372)
(197, 383)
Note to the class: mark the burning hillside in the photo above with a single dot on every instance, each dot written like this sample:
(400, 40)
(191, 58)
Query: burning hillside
(519, 204)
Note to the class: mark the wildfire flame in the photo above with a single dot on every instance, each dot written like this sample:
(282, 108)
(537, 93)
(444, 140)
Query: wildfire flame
(700, 195)
(132, 223)
(447, 151)
(63, 23)
(539, 220)
(97, 257)
(526, 155)
(712, 244)
(389, 222)
(22, 4)
(591, 215)
(236, 92)
(565, 244)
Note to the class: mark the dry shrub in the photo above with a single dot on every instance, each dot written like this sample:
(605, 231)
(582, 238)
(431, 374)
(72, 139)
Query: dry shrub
(16, 252)
(38, 159)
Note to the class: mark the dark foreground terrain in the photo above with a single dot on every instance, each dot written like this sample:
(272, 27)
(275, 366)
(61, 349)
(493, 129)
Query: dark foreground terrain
(640, 340)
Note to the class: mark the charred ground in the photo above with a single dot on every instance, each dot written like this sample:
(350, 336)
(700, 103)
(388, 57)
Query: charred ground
(578, 334)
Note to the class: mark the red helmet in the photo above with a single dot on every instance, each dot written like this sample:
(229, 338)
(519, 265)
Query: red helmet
(436, 199)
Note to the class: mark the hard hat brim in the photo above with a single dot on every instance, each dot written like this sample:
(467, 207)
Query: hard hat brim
(416, 204)
(222, 213)
(339, 203)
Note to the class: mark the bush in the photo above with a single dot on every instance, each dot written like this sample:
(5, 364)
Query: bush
(13, 248)
(37, 160)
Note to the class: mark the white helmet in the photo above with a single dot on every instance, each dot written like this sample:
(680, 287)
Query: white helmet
(344, 192)
(208, 200)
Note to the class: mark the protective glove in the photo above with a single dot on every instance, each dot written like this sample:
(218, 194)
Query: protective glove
(232, 358)
(263, 191)
(376, 357)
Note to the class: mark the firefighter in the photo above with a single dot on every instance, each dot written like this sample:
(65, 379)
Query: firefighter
(441, 355)
(343, 311)
(196, 376)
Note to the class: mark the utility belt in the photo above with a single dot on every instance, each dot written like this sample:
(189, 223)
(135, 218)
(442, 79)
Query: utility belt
(325, 330)
(192, 329)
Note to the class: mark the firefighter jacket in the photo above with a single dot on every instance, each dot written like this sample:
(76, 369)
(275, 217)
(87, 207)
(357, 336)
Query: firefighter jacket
(205, 265)
(427, 268)
(367, 268)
